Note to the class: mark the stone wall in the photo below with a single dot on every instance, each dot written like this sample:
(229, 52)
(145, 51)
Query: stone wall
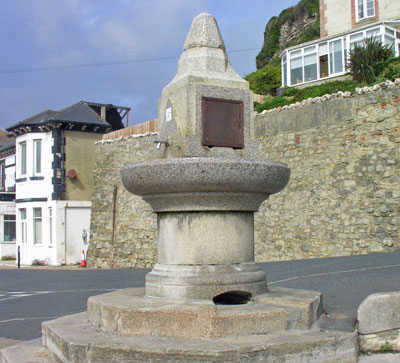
(123, 228)
(343, 197)
(344, 194)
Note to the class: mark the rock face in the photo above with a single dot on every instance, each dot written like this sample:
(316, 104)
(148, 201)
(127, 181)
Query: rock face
(294, 25)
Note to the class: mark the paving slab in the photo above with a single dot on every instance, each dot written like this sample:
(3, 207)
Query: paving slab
(380, 358)
(4, 342)
(30, 351)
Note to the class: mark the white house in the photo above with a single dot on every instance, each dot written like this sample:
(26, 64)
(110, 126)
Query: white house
(344, 23)
(54, 179)
(7, 196)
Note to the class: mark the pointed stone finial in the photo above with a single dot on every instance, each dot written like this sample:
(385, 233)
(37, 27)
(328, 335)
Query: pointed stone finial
(204, 32)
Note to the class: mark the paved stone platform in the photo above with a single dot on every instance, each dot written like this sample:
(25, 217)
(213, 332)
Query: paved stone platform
(72, 339)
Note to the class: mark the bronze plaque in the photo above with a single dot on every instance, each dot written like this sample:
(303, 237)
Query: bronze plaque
(222, 123)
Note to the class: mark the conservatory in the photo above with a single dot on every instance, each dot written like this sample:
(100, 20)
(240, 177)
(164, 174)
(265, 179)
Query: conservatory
(326, 58)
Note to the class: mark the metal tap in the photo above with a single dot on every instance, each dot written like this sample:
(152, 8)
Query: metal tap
(159, 142)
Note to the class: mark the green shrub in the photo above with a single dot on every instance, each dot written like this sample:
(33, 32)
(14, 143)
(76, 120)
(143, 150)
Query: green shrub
(391, 70)
(8, 258)
(266, 80)
(272, 102)
(365, 62)
(293, 95)
(324, 89)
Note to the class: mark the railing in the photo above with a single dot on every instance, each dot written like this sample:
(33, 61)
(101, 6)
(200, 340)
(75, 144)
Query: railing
(7, 184)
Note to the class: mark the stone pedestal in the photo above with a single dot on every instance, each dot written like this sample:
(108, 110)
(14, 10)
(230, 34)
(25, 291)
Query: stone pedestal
(205, 210)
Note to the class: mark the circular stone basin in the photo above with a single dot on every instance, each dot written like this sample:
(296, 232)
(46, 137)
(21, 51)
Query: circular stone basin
(204, 184)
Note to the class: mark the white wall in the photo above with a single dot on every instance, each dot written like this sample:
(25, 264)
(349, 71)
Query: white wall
(338, 15)
(389, 10)
(69, 218)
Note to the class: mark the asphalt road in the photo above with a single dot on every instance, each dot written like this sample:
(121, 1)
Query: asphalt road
(30, 296)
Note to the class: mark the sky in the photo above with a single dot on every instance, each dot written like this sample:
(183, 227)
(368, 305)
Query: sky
(55, 53)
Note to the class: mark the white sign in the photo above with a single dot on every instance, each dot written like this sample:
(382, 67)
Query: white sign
(168, 114)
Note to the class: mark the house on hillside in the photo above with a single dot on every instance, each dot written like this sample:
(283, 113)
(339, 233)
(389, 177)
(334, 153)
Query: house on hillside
(54, 179)
(7, 196)
(344, 24)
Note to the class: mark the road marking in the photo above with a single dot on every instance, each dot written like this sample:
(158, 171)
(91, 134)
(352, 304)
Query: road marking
(331, 273)
(10, 295)
(22, 319)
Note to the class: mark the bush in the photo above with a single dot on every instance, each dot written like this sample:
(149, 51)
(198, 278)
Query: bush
(293, 95)
(8, 258)
(324, 89)
(266, 80)
(272, 102)
(391, 70)
(366, 61)
(39, 262)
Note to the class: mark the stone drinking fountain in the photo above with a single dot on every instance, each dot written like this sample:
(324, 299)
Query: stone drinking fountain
(205, 300)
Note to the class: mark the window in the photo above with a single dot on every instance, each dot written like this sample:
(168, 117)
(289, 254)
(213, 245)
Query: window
(22, 214)
(335, 57)
(389, 38)
(365, 9)
(356, 40)
(37, 154)
(50, 225)
(284, 70)
(9, 227)
(310, 64)
(22, 169)
(296, 67)
(2, 175)
(37, 225)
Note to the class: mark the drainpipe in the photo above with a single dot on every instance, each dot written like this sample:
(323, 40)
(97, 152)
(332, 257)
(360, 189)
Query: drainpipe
(113, 224)
(65, 233)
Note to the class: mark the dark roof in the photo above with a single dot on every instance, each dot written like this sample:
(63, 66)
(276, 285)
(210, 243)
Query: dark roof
(78, 113)
(6, 143)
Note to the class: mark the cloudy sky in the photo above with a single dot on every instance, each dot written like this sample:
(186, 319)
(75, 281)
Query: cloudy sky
(57, 52)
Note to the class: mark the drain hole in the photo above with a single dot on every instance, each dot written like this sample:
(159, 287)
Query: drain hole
(233, 298)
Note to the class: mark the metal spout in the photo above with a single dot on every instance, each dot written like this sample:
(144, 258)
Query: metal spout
(159, 142)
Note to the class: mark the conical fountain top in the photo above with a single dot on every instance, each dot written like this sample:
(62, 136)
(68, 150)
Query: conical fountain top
(204, 32)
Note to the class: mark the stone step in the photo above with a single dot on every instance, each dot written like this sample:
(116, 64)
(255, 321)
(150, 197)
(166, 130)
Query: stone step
(73, 339)
(26, 352)
(128, 312)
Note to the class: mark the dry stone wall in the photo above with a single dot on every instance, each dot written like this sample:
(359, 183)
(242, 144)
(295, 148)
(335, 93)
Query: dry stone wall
(123, 228)
(343, 197)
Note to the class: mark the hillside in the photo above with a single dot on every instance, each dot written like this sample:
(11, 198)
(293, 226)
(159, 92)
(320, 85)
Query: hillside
(295, 25)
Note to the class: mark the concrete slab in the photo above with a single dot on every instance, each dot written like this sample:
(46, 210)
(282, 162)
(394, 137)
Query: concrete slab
(379, 312)
(4, 342)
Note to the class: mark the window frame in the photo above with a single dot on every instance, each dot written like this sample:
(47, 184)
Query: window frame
(23, 225)
(9, 221)
(37, 166)
(22, 158)
(365, 10)
(36, 221)
(50, 215)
